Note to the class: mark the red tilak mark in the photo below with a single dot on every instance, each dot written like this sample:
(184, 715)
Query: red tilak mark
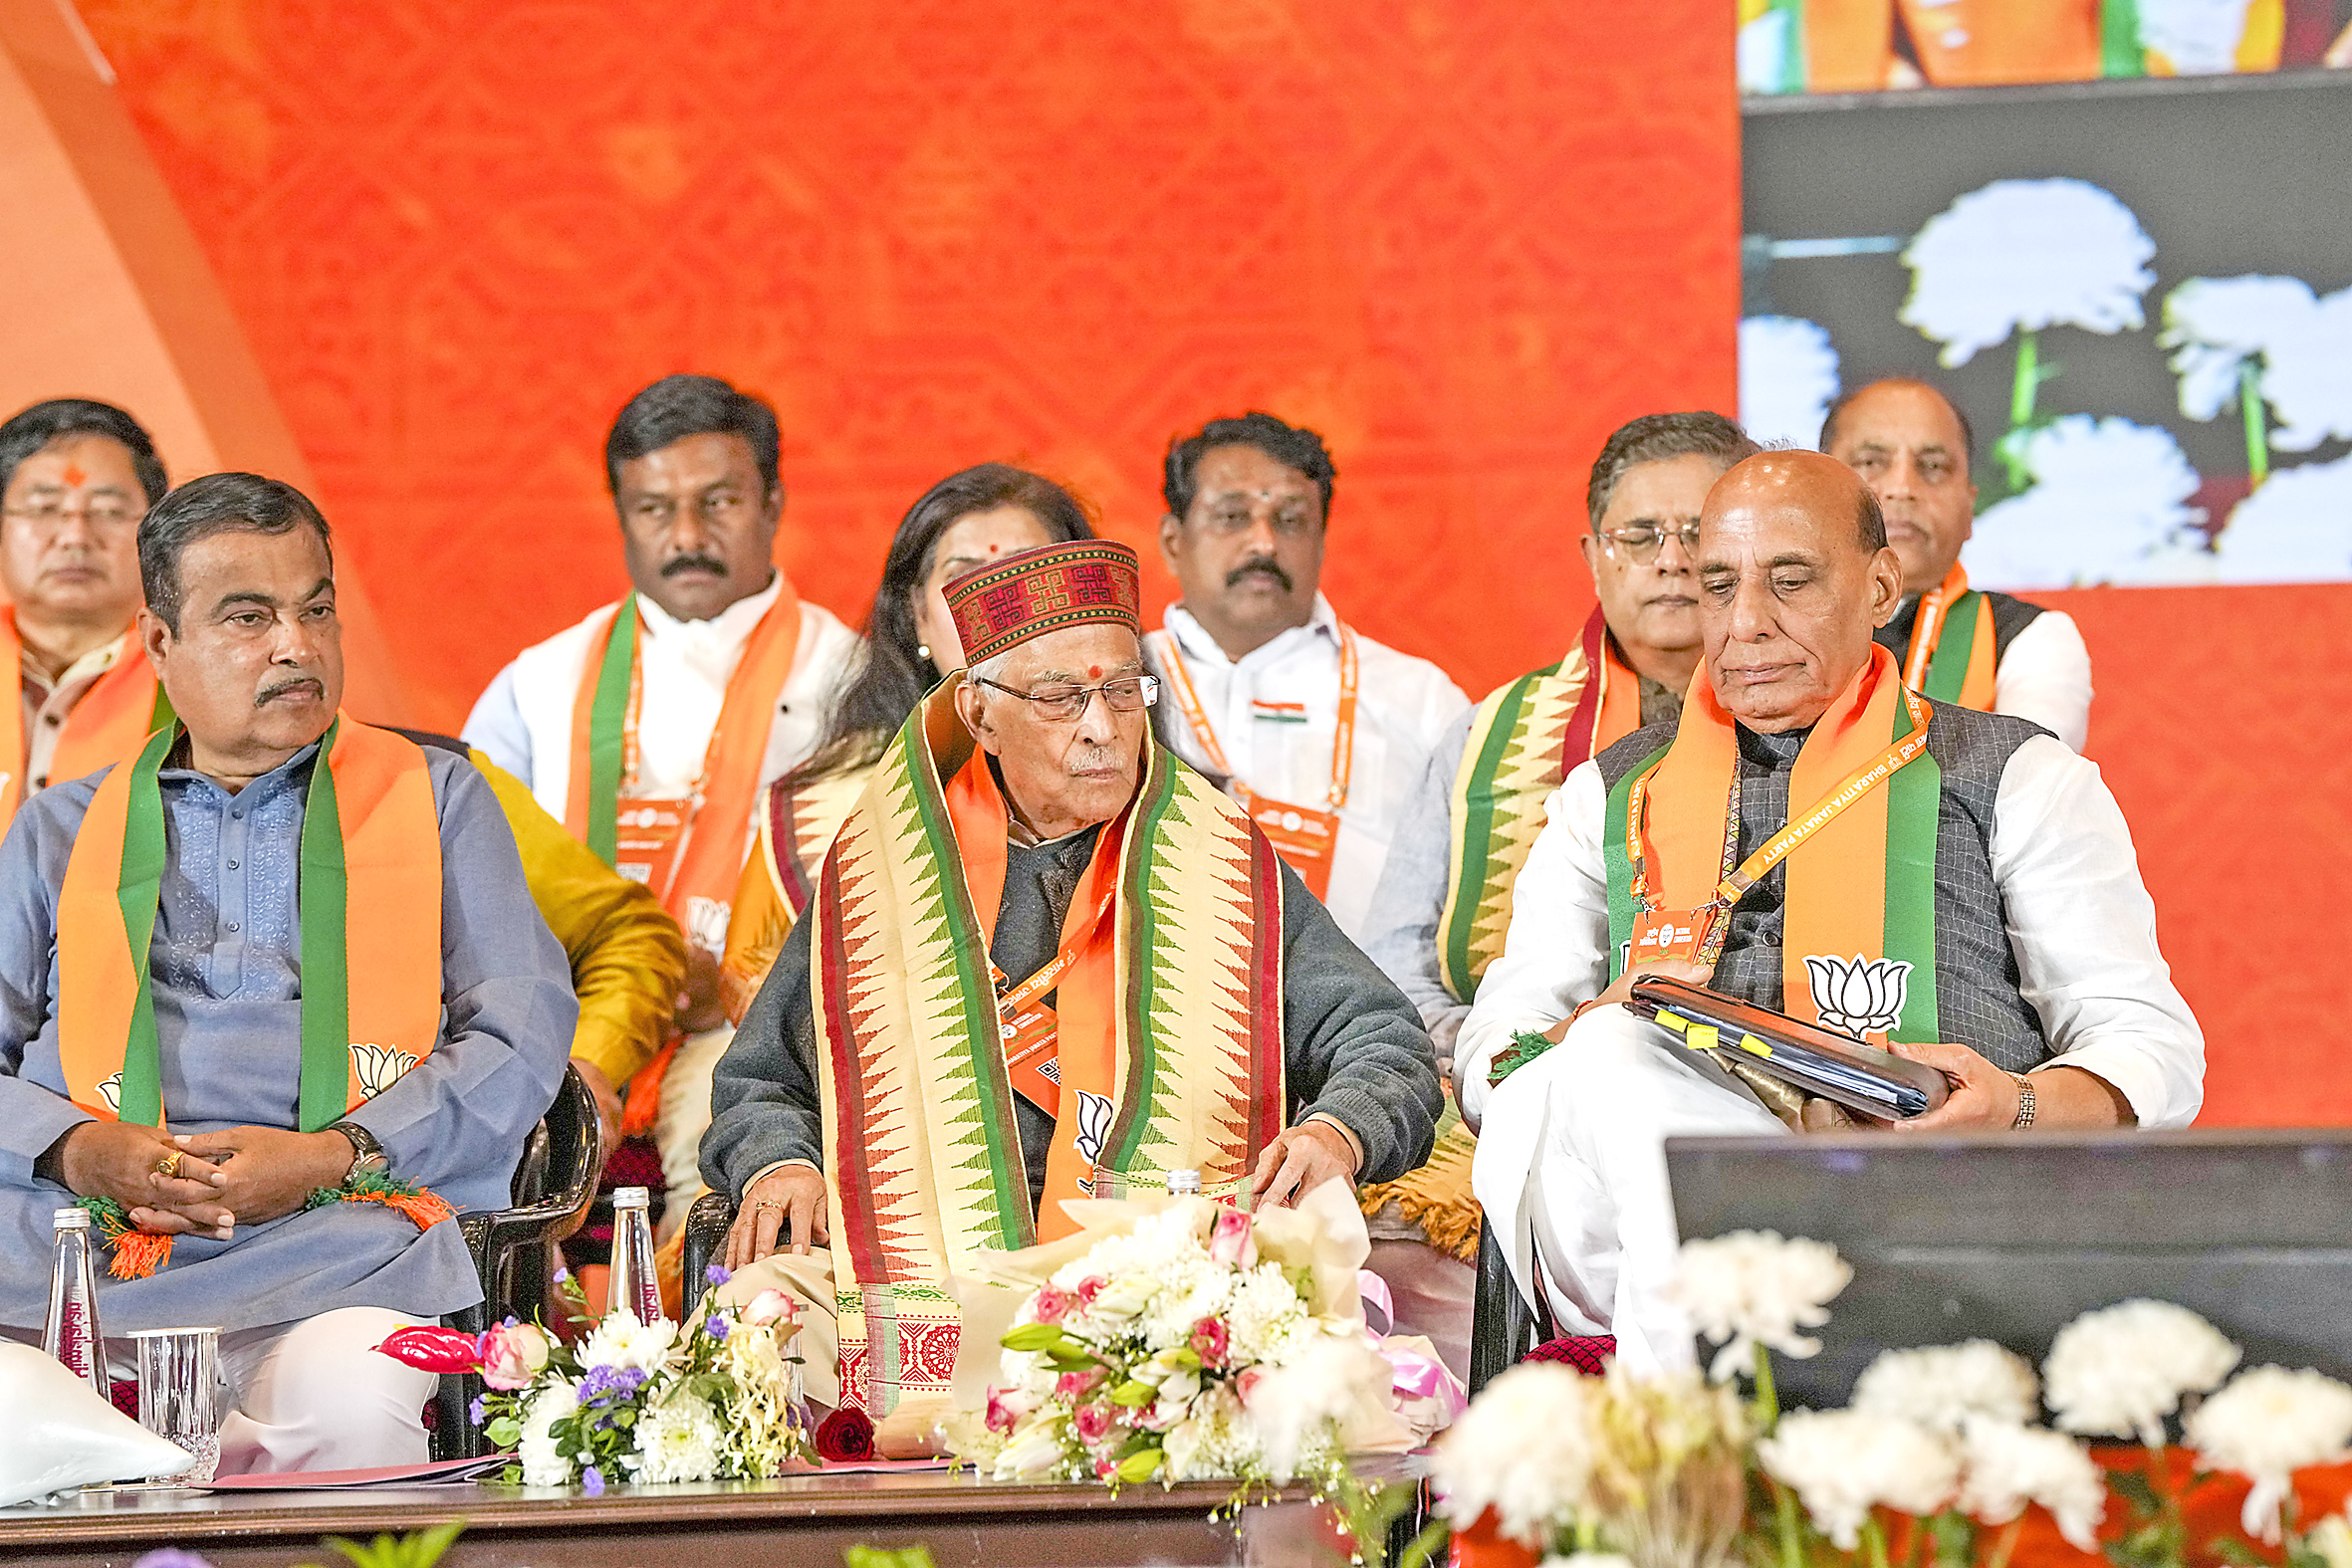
(993, 548)
(73, 474)
(1094, 670)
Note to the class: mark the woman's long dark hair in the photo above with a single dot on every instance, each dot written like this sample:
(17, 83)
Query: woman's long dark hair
(897, 673)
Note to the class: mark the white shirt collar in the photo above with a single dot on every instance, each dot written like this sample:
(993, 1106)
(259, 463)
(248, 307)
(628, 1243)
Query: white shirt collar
(1322, 622)
(728, 627)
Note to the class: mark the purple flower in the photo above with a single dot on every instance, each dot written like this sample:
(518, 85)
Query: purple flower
(609, 1385)
(561, 1274)
(591, 1481)
(717, 1274)
(715, 1326)
(475, 1413)
(170, 1557)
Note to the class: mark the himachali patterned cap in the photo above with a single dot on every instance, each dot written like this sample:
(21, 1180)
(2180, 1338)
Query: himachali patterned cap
(1033, 591)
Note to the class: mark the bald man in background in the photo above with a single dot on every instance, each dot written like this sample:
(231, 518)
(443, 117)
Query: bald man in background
(1983, 888)
(1911, 444)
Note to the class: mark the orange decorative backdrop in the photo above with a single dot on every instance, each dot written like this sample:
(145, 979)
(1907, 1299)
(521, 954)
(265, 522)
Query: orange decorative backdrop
(1464, 240)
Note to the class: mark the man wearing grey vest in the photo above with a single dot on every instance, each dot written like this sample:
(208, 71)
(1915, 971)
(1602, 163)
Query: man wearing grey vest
(1977, 907)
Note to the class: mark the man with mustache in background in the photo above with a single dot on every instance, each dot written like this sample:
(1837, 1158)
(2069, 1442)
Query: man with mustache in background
(1318, 730)
(651, 728)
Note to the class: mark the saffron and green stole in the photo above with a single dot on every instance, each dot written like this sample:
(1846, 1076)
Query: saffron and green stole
(1861, 894)
(1526, 739)
(1170, 1037)
(1956, 663)
(369, 900)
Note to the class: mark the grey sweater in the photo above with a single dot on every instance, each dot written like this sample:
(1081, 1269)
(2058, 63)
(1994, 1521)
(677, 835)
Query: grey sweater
(1353, 1047)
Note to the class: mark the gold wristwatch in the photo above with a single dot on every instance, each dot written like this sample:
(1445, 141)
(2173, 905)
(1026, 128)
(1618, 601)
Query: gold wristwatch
(2024, 1101)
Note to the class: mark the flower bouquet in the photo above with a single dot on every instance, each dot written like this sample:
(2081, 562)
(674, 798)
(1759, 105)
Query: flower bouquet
(631, 1401)
(1175, 1339)
(1940, 1451)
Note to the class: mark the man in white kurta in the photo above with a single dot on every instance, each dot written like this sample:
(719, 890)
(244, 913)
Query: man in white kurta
(731, 686)
(2053, 1006)
(1321, 732)
(1911, 446)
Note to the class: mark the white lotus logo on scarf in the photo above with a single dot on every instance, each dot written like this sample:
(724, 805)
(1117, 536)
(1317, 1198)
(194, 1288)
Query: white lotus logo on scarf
(1093, 1126)
(1859, 996)
(110, 1086)
(380, 1066)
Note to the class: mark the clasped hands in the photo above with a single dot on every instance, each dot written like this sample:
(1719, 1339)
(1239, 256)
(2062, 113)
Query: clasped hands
(784, 1210)
(200, 1184)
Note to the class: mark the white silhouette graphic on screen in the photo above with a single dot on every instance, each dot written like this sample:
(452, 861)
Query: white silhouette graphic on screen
(1787, 379)
(2109, 503)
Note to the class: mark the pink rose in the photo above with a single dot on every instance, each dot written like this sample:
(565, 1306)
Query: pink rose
(1077, 1385)
(1053, 1305)
(1094, 1423)
(1089, 1288)
(1208, 1341)
(1248, 1382)
(512, 1355)
(1229, 1243)
(1001, 1415)
(769, 1306)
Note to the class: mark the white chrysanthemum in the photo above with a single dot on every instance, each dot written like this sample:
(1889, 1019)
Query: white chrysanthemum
(1941, 1386)
(2026, 254)
(1265, 1318)
(2005, 1466)
(2196, 38)
(1523, 1449)
(679, 1440)
(1756, 1287)
(2214, 326)
(2119, 1371)
(2109, 503)
(2297, 529)
(1787, 379)
(1845, 1463)
(2265, 1426)
(535, 1447)
(622, 1343)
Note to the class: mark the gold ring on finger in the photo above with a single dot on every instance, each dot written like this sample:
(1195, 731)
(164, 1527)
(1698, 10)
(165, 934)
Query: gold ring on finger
(168, 1166)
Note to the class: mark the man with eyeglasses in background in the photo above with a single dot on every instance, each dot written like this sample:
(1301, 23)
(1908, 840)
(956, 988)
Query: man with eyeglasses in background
(75, 477)
(918, 1109)
(651, 728)
(1443, 900)
(1318, 730)
(1988, 651)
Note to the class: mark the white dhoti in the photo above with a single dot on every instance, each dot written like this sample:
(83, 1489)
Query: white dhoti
(681, 1119)
(1571, 1173)
(310, 1396)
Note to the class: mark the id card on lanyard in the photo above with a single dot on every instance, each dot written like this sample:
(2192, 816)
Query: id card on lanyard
(1699, 934)
(1305, 837)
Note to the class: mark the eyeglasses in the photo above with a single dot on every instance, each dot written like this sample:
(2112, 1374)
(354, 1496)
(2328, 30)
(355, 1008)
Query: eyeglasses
(1641, 544)
(47, 515)
(1061, 704)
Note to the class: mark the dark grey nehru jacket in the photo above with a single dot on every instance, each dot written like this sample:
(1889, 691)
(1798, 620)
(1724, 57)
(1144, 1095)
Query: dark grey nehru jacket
(1353, 1047)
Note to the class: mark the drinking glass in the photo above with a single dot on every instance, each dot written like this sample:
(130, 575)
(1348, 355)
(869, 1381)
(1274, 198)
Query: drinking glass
(180, 1395)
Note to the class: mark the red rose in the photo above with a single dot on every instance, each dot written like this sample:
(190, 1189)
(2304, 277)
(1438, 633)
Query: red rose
(845, 1436)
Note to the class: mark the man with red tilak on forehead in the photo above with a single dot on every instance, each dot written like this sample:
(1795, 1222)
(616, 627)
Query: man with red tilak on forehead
(1812, 837)
(1958, 644)
(1046, 961)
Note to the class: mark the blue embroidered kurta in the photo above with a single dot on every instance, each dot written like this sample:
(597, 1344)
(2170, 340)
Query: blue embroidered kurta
(226, 962)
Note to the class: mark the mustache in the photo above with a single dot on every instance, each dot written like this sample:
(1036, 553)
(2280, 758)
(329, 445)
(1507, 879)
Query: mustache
(270, 694)
(695, 563)
(1268, 568)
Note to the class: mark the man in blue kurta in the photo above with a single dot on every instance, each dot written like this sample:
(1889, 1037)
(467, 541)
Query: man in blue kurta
(214, 1127)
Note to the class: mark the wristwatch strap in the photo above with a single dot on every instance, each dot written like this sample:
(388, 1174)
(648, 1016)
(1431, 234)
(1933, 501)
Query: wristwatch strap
(366, 1153)
(2024, 1101)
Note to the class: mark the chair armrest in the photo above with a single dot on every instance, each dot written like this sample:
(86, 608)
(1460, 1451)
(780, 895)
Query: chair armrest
(707, 1223)
(1503, 1326)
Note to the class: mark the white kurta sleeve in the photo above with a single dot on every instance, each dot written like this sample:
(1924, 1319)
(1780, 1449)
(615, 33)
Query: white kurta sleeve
(1555, 955)
(2083, 928)
(2045, 675)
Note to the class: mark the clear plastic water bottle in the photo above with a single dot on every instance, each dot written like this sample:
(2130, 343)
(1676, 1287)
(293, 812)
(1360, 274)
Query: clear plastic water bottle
(1184, 1183)
(71, 1333)
(633, 1285)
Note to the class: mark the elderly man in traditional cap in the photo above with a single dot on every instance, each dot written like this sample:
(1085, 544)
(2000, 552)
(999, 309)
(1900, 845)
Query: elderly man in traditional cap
(1812, 837)
(1047, 961)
